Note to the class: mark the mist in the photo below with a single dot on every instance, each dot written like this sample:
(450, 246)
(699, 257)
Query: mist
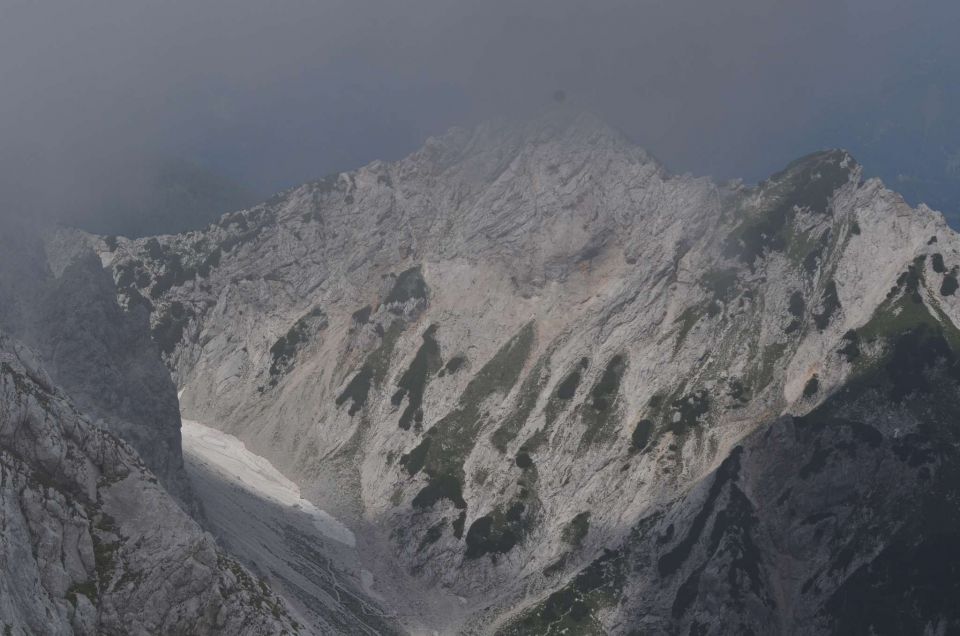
(97, 95)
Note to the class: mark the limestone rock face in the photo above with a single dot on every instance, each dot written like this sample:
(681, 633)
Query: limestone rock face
(56, 298)
(577, 392)
(90, 542)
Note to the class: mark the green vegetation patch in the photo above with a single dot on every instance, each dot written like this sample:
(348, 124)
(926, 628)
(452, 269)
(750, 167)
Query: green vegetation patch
(851, 346)
(87, 589)
(210, 262)
(938, 264)
(284, 350)
(721, 283)
(950, 285)
(362, 315)
(173, 274)
(762, 373)
(526, 401)
(796, 304)
(830, 302)
(567, 388)
(809, 183)
(432, 535)
(687, 410)
(561, 398)
(899, 316)
(448, 443)
(573, 609)
(599, 413)
(498, 532)
(413, 382)
(409, 285)
(812, 387)
(576, 529)
(373, 371)
(642, 433)
(687, 319)
(453, 365)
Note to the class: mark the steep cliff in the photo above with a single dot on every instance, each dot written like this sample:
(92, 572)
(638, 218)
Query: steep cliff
(90, 543)
(56, 298)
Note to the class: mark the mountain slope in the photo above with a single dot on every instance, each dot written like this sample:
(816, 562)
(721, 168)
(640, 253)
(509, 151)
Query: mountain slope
(90, 543)
(56, 299)
(545, 374)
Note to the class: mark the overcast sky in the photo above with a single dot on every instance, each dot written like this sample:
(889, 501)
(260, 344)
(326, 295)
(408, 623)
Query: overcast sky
(275, 93)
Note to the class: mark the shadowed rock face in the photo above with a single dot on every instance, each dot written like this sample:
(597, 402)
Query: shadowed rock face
(776, 345)
(90, 542)
(59, 301)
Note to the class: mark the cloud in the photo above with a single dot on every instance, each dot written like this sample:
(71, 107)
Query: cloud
(271, 94)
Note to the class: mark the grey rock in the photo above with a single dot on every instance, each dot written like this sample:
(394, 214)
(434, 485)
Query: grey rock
(90, 543)
(704, 322)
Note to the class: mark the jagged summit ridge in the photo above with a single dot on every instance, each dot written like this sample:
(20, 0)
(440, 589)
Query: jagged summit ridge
(543, 374)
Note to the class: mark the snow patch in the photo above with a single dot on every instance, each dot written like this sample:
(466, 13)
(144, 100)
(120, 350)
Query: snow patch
(224, 453)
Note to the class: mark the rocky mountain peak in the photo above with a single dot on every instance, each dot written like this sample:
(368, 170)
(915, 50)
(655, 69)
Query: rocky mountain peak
(534, 371)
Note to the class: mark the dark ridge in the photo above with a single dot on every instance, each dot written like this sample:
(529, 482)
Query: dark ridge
(728, 471)
(458, 524)
(686, 594)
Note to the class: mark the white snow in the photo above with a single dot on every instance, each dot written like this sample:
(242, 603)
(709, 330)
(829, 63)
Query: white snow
(225, 454)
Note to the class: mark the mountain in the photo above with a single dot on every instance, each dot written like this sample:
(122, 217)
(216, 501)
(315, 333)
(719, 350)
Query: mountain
(579, 392)
(552, 388)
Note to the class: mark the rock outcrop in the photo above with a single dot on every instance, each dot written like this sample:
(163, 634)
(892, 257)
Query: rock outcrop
(90, 543)
(56, 298)
(582, 393)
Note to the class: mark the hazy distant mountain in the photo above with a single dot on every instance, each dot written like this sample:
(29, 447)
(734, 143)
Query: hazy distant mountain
(172, 196)
(565, 390)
